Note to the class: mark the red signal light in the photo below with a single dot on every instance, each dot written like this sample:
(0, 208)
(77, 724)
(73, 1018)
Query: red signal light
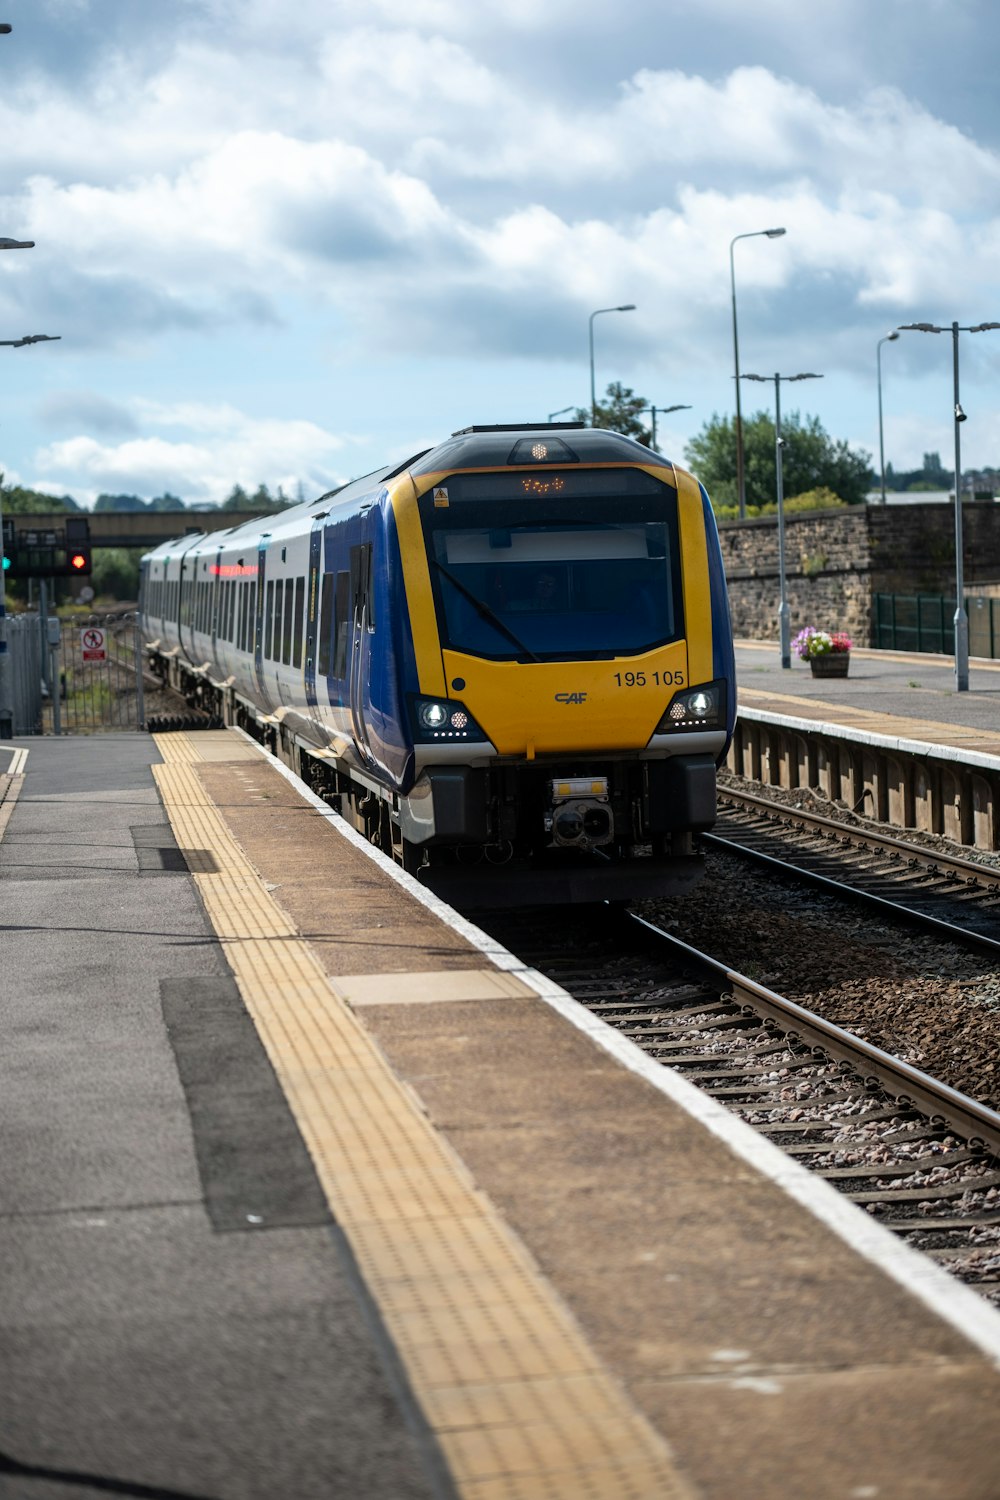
(79, 562)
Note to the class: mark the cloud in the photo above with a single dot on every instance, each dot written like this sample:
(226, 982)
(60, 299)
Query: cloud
(222, 447)
(87, 409)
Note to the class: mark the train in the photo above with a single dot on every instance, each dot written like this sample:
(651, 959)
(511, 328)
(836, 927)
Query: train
(506, 661)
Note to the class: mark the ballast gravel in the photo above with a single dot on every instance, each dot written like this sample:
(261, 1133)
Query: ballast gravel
(920, 998)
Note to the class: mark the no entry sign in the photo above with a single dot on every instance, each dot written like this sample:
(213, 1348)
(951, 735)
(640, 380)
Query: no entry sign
(92, 644)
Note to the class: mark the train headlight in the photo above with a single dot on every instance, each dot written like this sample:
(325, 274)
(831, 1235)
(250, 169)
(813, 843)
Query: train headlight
(444, 719)
(702, 707)
(433, 715)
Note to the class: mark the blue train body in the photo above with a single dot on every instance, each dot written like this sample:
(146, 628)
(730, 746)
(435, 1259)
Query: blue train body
(507, 661)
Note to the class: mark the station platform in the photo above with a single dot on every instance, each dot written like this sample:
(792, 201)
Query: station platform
(897, 694)
(309, 1189)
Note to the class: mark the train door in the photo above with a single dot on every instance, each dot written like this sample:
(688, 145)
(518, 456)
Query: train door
(258, 619)
(187, 583)
(361, 629)
(217, 597)
(313, 612)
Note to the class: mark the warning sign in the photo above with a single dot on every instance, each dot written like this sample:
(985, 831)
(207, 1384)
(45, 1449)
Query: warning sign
(92, 644)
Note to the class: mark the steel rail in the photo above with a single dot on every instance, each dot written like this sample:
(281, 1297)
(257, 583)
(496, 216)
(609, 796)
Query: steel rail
(863, 838)
(974, 1122)
(954, 934)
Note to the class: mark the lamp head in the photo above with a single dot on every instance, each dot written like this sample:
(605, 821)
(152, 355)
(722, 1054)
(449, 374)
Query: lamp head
(626, 307)
(959, 413)
(774, 234)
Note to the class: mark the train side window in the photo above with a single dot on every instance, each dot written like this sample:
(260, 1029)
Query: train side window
(279, 595)
(300, 598)
(342, 625)
(325, 626)
(244, 610)
(252, 619)
(268, 617)
(286, 628)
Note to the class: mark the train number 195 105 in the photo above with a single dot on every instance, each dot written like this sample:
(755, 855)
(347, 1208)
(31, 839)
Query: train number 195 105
(658, 679)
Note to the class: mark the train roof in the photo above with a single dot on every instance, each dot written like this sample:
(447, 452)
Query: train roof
(479, 447)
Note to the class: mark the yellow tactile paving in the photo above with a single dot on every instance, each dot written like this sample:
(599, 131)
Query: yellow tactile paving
(520, 1404)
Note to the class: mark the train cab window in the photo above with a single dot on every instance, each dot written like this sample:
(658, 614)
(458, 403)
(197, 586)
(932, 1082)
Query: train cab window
(561, 575)
(341, 625)
(324, 644)
(300, 599)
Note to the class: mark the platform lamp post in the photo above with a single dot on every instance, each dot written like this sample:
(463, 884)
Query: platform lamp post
(6, 702)
(664, 411)
(784, 634)
(889, 338)
(961, 617)
(625, 307)
(753, 234)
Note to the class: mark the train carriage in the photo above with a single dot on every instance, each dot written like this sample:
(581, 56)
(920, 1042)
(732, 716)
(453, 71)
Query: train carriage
(507, 661)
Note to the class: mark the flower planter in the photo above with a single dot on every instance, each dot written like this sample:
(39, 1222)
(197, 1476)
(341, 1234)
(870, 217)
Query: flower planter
(830, 664)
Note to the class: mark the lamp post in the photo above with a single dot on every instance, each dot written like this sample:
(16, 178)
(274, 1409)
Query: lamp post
(889, 338)
(6, 706)
(625, 307)
(784, 634)
(770, 234)
(664, 411)
(961, 617)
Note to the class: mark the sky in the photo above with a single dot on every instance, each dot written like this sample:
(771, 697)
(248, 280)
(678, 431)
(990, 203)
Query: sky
(289, 243)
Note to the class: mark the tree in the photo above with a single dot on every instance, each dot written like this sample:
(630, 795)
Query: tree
(810, 460)
(115, 575)
(20, 501)
(129, 503)
(166, 501)
(619, 411)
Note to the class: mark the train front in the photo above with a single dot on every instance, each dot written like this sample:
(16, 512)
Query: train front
(573, 650)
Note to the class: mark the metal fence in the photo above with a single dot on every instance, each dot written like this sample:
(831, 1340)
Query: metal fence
(98, 667)
(24, 654)
(925, 622)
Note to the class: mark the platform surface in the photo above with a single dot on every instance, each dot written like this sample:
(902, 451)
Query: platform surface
(305, 1190)
(904, 695)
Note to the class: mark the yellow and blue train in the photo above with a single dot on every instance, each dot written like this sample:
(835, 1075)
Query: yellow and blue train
(507, 661)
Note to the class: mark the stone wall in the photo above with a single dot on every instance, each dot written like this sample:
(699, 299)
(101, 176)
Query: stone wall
(836, 561)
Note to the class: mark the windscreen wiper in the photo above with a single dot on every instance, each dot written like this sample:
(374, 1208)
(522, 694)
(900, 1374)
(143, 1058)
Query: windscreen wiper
(484, 611)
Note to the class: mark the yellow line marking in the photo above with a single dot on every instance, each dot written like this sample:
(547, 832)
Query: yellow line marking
(521, 1406)
(10, 790)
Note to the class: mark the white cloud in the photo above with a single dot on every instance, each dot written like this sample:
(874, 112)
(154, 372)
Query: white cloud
(224, 447)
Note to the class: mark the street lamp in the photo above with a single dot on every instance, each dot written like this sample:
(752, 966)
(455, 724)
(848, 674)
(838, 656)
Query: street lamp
(784, 633)
(961, 617)
(9, 244)
(31, 338)
(770, 234)
(889, 338)
(664, 411)
(625, 307)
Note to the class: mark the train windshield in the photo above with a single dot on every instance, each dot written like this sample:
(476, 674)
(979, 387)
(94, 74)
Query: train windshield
(546, 576)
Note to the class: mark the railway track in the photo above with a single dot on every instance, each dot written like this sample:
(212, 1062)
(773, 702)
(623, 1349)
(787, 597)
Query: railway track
(958, 898)
(917, 1155)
